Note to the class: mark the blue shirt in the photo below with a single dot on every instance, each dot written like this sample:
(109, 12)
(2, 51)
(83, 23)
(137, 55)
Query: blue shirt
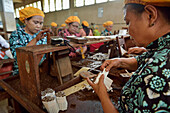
(106, 33)
(20, 38)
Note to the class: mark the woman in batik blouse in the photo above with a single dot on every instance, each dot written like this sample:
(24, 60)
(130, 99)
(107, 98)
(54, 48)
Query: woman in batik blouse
(148, 89)
(108, 28)
(73, 23)
(29, 35)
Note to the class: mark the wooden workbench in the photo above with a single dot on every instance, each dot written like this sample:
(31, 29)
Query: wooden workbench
(33, 82)
(81, 102)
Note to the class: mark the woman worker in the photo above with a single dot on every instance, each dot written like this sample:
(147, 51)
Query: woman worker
(73, 23)
(61, 28)
(108, 28)
(29, 35)
(54, 29)
(85, 31)
(94, 47)
(148, 88)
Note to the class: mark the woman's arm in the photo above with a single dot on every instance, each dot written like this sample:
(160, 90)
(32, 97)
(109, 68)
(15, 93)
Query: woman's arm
(136, 50)
(126, 63)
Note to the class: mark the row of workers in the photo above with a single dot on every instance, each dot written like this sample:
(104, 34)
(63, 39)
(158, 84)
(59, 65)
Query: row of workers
(85, 30)
(148, 88)
(31, 33)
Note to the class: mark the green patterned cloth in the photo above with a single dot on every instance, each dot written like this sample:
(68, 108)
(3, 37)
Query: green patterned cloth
(148, 89)
(106, 33)
(20, 38)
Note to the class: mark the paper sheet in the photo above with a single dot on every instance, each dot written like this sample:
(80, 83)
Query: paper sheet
(75, 88)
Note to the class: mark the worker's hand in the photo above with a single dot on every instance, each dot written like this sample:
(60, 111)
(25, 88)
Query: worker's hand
(108, 64)
(136, 50)
(100, 87)
(42, 34)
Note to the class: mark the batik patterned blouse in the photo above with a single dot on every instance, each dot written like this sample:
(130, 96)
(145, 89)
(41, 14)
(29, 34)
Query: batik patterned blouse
(148, 89)
(20, 38)
(106, 33)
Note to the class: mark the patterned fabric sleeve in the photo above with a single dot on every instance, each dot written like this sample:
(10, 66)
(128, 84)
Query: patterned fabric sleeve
(148, 89)
(140, 58)
(106, 33)
(14, 42)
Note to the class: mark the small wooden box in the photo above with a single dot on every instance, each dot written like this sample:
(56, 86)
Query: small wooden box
(28, 59)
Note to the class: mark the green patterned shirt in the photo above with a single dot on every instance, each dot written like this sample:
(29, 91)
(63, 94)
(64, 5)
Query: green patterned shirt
(20, 38)
(106, 33)
(148, 89)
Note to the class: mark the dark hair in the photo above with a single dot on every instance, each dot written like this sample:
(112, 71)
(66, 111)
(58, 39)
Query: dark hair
(139, 9)
(70, 23)
(165, 13)
(86, 29)
(29, 18)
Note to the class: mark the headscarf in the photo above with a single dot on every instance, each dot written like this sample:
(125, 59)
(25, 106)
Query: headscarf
(72, 19)
(53, 24)
(108, 23)
(165, 3)
(63, 25)
(29, 12)
(85, 23)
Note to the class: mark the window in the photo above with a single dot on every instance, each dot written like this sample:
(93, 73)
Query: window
(55, 5)
(27, 6)
(52, 5)
(19, 8)
(35, 4)
(17, 12)
(22, 7)
(39, 5)
(66, 4)
(58, 5)
(89, 2)
(46, 6)
(31, 5)
(101, 1)
(79, 3)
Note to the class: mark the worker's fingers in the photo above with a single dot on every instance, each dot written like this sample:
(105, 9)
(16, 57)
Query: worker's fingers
(101, 79)
(90, 83)
(104, 65)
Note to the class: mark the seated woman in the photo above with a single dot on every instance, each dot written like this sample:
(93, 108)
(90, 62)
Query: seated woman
(54, 29)
(94, 47)
(148, 88)
(73, 23)
(29, 35)
(108, 28)
(85, 31)
(96, 31)
(61, 28)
